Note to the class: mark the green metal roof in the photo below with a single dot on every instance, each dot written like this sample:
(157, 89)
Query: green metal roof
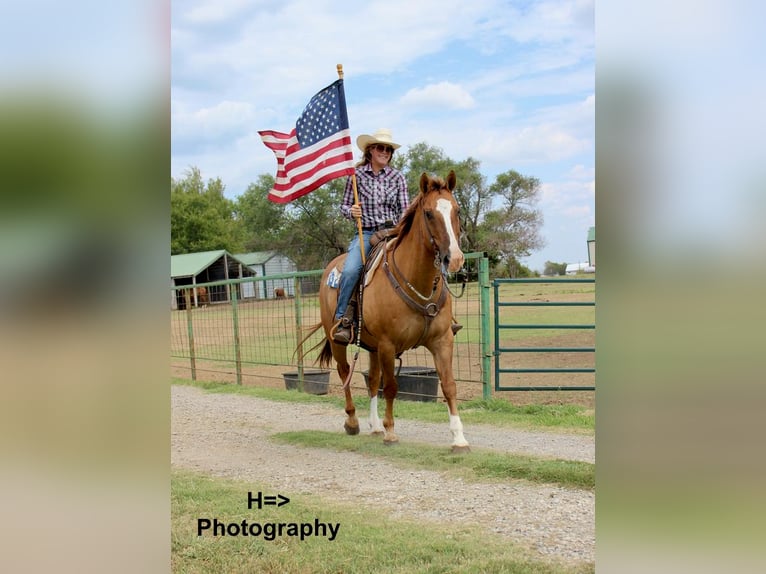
(592, 234)
(256, 257)
(190, 264)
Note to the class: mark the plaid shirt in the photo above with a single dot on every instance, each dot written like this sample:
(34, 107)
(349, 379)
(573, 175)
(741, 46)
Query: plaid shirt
(383, 196)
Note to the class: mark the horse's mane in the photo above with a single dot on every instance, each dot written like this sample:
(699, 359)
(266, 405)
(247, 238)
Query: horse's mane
(405, 223)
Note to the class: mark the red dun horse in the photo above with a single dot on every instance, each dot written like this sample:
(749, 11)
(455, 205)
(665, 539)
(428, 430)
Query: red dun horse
(405, 304)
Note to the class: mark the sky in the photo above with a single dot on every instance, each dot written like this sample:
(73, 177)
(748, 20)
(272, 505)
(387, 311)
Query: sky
(510, 84)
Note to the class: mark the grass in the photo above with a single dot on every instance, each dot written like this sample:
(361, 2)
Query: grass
(476, 465)
(498, 412)
(362, 545)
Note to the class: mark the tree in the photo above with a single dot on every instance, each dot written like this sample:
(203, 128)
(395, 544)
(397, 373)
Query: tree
(263, 220)
(470, 193)
(315, 231)
(512, 231)
(201, 217)
(505, 233)
(500, 219)
(552, 268)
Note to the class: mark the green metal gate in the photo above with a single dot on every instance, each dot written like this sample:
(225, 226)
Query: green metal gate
(530, 325)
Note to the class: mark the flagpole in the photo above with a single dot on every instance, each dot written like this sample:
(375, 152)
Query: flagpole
(339, 67)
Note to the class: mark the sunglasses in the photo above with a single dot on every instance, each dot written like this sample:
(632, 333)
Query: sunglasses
(382, 148)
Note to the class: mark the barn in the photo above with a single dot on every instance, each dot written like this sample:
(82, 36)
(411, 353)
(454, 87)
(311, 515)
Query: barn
(265, 264)
(204, 267)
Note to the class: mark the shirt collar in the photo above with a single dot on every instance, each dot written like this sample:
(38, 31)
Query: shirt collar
(368, 168)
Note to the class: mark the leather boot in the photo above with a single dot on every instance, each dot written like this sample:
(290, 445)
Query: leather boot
(344, 329)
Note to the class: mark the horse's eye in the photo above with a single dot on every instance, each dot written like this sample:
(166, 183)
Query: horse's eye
(429, 214)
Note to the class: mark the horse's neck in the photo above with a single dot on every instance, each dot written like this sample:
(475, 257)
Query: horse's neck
(414, 257)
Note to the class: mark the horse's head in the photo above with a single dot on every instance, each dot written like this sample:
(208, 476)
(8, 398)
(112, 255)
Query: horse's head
(442, 221)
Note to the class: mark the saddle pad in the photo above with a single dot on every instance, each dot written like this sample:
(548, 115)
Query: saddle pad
(373, 265)
(333, 279)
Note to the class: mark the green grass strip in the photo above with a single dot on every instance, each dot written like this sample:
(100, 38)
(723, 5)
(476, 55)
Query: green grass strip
(476, 465)
(366, 542)
(498, 412)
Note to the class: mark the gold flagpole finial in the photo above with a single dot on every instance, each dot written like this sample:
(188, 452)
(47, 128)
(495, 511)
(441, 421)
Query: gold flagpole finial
(340, 71)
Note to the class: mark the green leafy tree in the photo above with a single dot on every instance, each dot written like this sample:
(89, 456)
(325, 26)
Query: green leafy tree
(201, 217)
(552, 268)
(263, 220)
(470, 193)
(501, 219)
(513, 230)
(315, 231)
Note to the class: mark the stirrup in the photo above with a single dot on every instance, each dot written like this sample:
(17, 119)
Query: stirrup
(343, 332)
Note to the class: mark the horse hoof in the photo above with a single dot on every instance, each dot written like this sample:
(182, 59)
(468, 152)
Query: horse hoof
(351, 430)
(461, 449)
(376, 433)
(389, 442)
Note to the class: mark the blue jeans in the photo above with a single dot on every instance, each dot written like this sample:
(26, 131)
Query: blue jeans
(352, 269)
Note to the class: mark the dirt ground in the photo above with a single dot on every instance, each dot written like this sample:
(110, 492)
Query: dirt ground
(228, 435)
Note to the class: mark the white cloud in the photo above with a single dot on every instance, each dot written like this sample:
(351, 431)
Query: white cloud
(580, 172)
(444, 95)
(555, 21)
(226, 119)
(215, 10)
(537, 143)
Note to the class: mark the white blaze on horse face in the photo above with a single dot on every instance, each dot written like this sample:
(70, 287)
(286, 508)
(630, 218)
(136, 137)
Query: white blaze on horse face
(444, 207)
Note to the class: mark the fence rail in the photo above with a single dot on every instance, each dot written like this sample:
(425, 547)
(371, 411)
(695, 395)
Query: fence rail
(244, 335)
(539, 319)
(544, 331)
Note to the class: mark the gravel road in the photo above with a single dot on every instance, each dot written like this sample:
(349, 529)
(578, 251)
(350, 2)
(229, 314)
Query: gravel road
(228, 435)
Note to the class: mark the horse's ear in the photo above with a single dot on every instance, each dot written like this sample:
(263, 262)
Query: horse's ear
(451, 180)
(424, 183)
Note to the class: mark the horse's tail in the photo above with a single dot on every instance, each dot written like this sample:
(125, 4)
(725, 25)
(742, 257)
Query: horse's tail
(326, 355)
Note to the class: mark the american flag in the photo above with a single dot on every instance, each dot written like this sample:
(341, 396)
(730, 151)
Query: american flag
(316, 151)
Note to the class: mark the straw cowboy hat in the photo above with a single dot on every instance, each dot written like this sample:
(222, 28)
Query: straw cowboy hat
(383, 136)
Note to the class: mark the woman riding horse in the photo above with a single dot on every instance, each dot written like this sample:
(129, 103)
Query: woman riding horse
(405, 304)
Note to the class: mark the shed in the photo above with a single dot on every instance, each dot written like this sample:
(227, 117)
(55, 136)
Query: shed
(205, 267)
(265, 264)
(592, 247)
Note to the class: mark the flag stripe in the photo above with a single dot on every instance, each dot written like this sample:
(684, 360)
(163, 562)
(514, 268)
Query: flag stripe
(303, 172)
(326, 153)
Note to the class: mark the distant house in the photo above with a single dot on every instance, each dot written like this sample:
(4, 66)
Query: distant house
(205, 267)
(266, 264)
(592, 247)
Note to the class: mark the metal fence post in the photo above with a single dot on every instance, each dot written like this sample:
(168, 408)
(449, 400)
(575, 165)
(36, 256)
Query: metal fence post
(486, 352)
(190, 333)
(237, 348)
(298, 331)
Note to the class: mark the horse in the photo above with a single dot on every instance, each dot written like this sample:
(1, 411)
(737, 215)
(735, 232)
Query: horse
(405, 304)
(202, 296)
(279, 293)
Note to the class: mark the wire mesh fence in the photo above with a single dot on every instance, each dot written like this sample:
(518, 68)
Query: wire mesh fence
(249, 331)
